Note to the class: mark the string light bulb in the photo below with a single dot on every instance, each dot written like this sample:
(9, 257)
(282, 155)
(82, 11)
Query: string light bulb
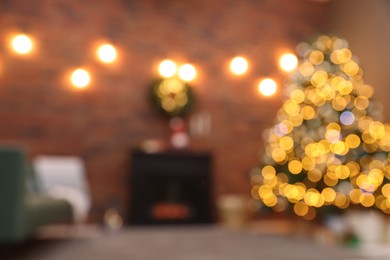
(288, 62)
(267, 87)
(80, 78)
(22, 44)
(187, 72)
(107, 53)
(239, 65)
(167, 68)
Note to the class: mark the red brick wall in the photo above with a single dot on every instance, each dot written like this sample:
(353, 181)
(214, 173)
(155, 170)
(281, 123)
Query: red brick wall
(103, 123)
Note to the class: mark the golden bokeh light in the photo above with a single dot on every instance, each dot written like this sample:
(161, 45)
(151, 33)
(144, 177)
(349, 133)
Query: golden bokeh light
(267, 87)
(339, 103)
(344, 87)
(239, 65)
(301, 209)
(341, 200)
(328, 194)
(353, 141)
(386, 190)
(356, 196)
(342, 172)
(339, 148)
(365, 90)
(328, 143)
(311, 214)
(308, 112)
(319, 78)
(341, 56)
(268, 172)
(314, 175)
(296, 119)
(308, 163)
(351, 68)
(278, 155)
(291, 107)
(298, 96)
(316, 57)
(167, 68)
(295, 166)
(288, 62)
(306, 69)
(368, 200)
(329, 181)
(364, 123)
(187, 72)
(333, 126)
(361, 102)
(106, 53)
(22, 44)
(377, 130)
(344, 55)
(80, 78)
(286, 143)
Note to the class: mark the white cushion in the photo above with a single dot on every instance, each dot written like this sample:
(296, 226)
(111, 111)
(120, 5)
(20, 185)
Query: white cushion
(64, 177)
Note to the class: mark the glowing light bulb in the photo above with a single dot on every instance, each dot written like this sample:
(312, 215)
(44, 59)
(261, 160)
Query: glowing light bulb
(267, 87)
(238, 65)
(167, 68)
(80, 78)
(187, 72)
(288, 62)
(22, 44)
(107, 53)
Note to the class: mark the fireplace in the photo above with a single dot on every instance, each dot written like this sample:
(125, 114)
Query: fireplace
(171, 187)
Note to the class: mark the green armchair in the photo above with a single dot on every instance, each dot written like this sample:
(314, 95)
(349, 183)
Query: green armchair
(22, 210)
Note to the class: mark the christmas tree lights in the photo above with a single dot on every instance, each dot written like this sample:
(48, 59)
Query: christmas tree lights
(328, 148)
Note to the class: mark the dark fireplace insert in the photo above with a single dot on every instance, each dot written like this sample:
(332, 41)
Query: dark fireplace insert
(172, 187)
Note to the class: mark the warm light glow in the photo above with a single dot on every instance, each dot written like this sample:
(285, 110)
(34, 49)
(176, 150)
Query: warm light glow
(80, 78)
(301, 209)
(167, 68)
(22, 44)
(187, 72)
(239, 65)
(328, 141)
(316, 57)
(107, 53)
(295, 166)
(333, 136)
(288, 62)
(267, 87)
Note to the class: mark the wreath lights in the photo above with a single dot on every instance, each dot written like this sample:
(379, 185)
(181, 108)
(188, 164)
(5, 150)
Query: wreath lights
(171, 94)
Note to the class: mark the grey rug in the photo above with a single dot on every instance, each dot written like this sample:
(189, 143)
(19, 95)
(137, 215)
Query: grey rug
(179, 243)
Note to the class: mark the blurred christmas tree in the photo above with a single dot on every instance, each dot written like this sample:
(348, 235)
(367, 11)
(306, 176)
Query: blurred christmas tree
(329, 149)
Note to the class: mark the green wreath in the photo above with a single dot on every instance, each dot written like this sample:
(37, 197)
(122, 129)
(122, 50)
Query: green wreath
(172, 96)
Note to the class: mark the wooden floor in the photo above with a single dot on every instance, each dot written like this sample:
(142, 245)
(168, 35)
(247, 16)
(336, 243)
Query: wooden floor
(179, 243)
